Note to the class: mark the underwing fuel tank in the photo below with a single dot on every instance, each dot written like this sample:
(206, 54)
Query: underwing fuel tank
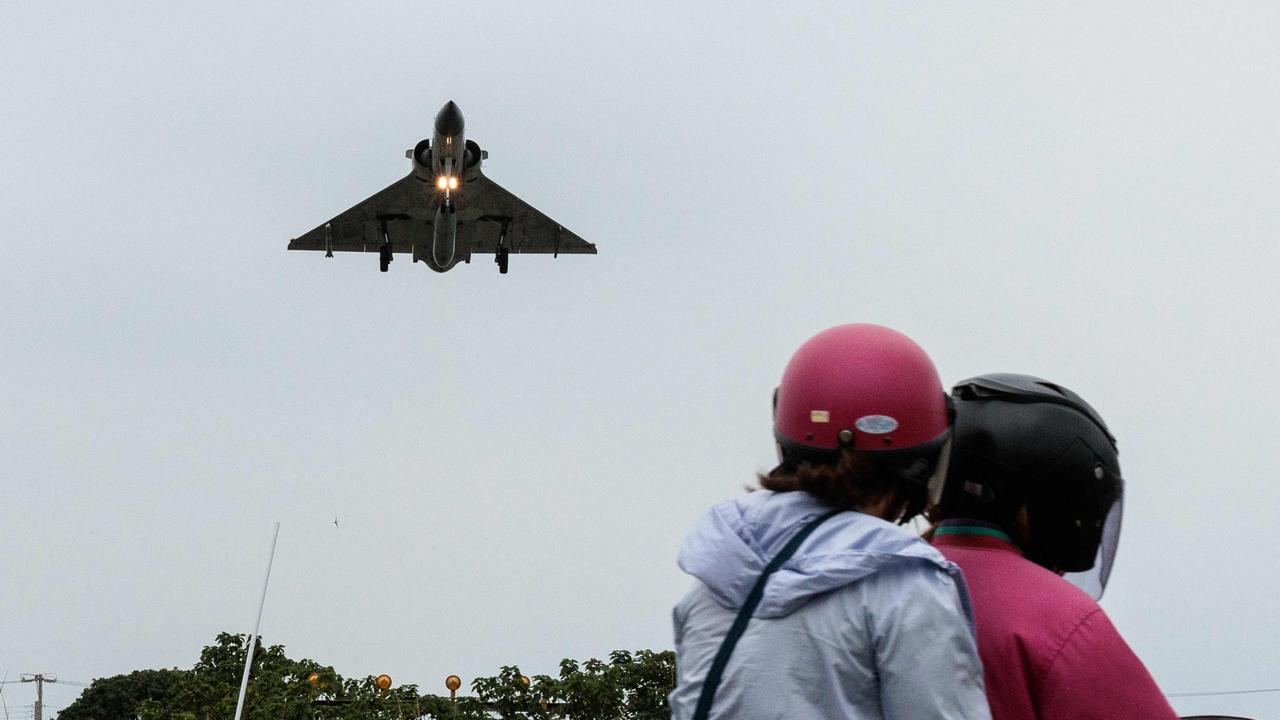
(444, 239)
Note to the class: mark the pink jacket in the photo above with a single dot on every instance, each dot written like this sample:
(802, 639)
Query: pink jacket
(1048, 651)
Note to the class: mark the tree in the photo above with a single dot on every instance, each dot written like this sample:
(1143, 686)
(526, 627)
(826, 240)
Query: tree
(118, 697)
(278, 686)
(631, 686)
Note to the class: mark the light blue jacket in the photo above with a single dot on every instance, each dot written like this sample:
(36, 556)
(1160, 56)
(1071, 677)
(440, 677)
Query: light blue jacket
(865, 621)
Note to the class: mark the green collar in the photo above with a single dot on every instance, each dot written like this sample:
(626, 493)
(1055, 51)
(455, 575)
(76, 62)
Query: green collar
(972, 530)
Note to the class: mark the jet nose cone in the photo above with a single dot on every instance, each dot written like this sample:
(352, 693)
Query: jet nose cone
(449, 120)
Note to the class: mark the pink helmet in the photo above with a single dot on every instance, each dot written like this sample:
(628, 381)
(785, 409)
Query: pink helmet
(859, 385)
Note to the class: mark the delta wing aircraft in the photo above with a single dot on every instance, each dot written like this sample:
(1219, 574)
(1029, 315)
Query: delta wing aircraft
(444, 211)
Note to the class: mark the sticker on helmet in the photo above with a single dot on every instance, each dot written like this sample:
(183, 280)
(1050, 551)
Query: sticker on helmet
(819, 416)
(876, 424)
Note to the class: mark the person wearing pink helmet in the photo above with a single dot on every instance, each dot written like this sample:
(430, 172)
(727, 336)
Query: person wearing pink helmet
(810, 599)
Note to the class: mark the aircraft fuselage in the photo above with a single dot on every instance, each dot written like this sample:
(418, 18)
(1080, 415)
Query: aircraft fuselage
(449, 144)
(440, 165)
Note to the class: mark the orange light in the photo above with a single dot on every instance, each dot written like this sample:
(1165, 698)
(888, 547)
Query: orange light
(453, 183)
(442, 182)
(383, 682)
(453, 682)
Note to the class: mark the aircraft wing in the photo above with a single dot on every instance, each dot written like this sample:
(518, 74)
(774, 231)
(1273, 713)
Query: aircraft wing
(485, 206)
(405, 211)
(359, 229)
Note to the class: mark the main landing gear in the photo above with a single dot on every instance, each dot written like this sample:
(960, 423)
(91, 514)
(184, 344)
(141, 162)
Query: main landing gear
(501, 253)
(384, 250)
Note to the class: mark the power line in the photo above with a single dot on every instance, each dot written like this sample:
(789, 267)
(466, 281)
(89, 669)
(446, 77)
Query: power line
(1223, 692)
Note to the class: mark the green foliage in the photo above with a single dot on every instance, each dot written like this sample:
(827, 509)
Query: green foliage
(278, 686)
(118, 697)
(365, 701)
(630, 686)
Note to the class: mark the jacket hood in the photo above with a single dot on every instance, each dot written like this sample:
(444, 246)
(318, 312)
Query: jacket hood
(730, 546)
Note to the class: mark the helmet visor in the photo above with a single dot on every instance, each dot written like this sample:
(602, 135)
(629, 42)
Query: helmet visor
(1094, 580)
(938, 481)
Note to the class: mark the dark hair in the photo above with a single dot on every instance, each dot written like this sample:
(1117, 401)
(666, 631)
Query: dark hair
(855, 480)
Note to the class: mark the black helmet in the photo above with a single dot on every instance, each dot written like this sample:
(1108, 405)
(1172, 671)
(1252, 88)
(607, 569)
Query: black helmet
(1022, 441)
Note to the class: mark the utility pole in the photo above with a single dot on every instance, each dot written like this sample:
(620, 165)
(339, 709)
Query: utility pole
(253, 639)
(39, 679)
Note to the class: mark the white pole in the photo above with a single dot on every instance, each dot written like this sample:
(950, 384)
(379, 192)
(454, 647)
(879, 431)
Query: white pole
(253, 639)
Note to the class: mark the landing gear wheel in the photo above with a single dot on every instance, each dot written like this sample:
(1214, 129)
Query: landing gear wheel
(501, 257)
(384, 257)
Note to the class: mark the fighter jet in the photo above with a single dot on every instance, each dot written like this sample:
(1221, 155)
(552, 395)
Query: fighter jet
(444, 211)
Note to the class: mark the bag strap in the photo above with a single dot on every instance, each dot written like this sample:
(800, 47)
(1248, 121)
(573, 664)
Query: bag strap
(714, 675)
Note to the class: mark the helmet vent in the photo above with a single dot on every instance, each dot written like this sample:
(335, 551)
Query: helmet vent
(1051, 386)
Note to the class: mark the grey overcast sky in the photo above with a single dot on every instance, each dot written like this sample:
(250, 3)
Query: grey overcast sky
(1085, 191)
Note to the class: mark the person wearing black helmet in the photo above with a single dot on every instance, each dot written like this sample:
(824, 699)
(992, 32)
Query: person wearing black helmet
(1030, 511)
